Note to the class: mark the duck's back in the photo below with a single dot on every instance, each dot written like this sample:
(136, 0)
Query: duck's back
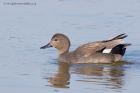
(94, 47)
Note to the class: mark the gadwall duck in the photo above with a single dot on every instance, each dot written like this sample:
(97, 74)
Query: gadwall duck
(106, 51)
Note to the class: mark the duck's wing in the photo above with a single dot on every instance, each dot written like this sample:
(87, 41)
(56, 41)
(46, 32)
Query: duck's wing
(99, 46)
(90, 48)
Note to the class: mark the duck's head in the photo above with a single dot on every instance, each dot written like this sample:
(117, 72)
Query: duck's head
(59, 41)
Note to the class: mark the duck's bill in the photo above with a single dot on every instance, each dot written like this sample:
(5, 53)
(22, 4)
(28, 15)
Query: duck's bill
(46, 46)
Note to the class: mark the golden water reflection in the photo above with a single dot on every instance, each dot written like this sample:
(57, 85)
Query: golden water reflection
(62, 76)
(108, 75)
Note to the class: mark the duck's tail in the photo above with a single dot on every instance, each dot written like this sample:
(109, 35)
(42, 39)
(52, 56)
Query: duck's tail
(120, 49)
(121, 36)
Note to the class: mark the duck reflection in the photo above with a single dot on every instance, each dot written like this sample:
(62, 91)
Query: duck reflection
(110, 75)
(61, 78)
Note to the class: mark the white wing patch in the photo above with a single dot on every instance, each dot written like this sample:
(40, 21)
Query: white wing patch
(107, 51)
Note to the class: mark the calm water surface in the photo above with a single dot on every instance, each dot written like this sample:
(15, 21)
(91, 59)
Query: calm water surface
(25, 68)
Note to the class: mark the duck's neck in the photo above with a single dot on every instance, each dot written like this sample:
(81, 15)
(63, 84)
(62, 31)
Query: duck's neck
(63, 51)
(63, 56)
(65, 46)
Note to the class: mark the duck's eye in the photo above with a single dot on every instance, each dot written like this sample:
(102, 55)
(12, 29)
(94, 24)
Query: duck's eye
(55, 39)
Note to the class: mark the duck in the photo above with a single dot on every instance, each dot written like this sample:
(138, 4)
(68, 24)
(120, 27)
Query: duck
(105, 51)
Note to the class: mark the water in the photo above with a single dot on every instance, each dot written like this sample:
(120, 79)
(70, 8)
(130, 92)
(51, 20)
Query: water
(25, 68)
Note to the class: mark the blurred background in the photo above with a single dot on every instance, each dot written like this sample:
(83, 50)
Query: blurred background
(24, 28)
